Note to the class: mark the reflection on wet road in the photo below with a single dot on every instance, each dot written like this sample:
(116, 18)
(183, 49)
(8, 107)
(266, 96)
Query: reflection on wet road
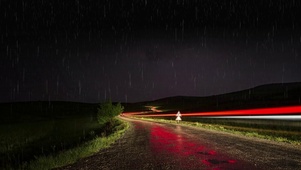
(188, 152)
(148, 145)
(173, 146)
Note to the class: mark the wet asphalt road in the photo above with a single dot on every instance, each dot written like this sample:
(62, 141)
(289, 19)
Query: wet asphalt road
(149, 145)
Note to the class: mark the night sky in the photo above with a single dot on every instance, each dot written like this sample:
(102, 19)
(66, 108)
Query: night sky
(139, 50)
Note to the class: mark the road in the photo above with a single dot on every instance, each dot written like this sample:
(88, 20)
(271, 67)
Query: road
(149, 145)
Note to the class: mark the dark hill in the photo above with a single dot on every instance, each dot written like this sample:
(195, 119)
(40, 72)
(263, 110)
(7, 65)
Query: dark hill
(261, 96)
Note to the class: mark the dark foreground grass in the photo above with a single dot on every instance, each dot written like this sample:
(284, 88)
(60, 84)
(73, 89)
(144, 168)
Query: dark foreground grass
(50, 144)
(258, 131)
(84, 150)
(22, 142)
(34, 132)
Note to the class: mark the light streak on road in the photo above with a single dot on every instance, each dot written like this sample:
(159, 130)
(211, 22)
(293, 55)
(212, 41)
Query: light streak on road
(261, 111)
(275, 112)
(154, 108)
(280, 117)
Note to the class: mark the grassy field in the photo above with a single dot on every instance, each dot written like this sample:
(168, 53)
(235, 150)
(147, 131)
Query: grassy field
(23, 142)
(34, 130)
(86, 149)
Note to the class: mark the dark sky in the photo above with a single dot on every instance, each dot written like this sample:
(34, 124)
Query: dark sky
(138, 50)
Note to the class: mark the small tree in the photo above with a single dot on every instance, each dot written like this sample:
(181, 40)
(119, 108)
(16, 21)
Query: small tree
(107, 111)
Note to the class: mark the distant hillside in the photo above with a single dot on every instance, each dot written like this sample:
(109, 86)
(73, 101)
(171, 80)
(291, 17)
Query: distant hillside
(260, 96)
(40, 110)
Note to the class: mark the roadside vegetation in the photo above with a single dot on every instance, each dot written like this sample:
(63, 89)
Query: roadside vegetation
(55, 134)
(86, 149)
(279, 133)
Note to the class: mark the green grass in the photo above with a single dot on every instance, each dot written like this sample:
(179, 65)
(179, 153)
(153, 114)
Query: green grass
(22, 142)
(84, 150)
(13, 136)
(35, 135)
(273, 135)
(54, 143)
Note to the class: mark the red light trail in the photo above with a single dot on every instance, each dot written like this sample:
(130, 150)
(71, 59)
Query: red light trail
(286, 110)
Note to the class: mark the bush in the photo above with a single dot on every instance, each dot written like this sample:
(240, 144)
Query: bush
(107, 111)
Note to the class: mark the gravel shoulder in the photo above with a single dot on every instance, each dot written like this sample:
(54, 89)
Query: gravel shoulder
(150, 145)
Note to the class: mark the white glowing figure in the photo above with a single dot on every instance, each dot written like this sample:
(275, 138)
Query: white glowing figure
(178, 119)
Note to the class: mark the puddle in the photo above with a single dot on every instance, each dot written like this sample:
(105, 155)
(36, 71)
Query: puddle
(190, 153)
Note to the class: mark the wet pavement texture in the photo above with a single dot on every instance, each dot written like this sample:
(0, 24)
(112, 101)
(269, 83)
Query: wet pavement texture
(149, 145)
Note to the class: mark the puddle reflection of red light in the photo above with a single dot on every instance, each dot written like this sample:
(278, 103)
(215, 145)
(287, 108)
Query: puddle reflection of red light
(231, 161)
(161, 138)
(176, 146)
(206, 162)
(211, 152)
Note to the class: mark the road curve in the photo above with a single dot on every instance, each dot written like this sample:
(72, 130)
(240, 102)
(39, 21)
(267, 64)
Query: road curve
(149, 145)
